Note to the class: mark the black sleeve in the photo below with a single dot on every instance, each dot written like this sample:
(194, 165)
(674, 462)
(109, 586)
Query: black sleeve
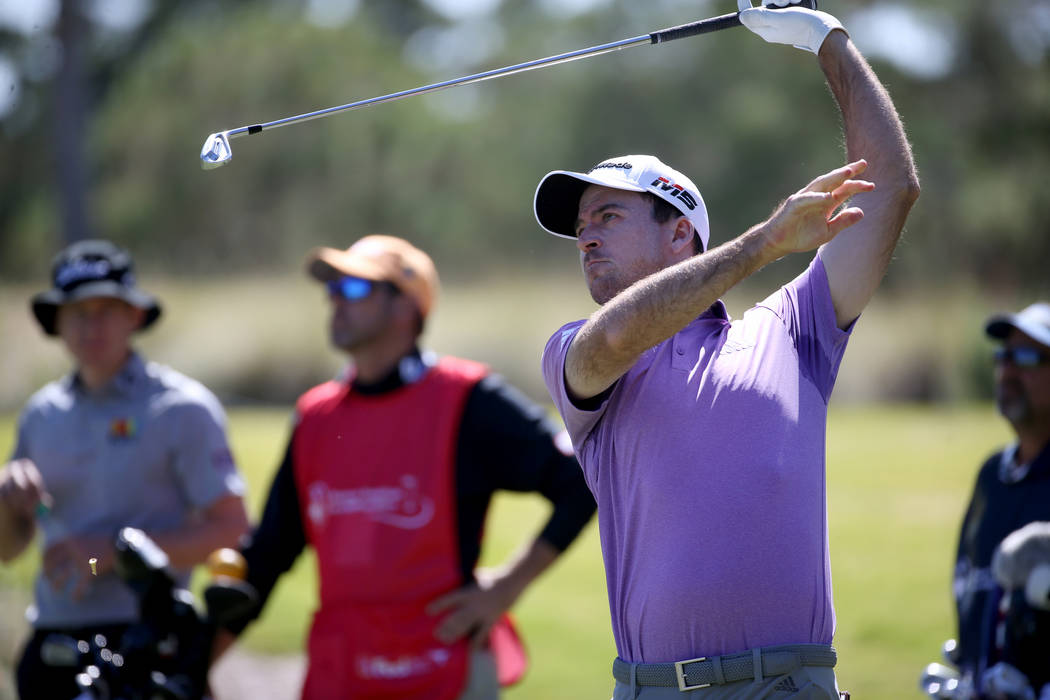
(278, 540)
(967, 549)
(506, 441)
(975, 595)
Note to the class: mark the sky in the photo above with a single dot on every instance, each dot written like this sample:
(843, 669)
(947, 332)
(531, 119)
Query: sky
(472, 8)
(29, 14)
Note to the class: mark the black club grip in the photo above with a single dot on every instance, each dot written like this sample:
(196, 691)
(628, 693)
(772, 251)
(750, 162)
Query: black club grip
(714, 24)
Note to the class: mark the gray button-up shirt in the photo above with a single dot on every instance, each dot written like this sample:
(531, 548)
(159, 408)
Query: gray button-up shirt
(147, 451)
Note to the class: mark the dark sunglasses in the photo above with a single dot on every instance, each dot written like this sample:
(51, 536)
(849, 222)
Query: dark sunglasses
(1025, 358)
(351, 288)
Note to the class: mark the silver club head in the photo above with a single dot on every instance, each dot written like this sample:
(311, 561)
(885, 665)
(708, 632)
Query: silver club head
(216, 151)
(940, 681)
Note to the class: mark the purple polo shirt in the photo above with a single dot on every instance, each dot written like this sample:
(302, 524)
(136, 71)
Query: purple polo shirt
(707, 463)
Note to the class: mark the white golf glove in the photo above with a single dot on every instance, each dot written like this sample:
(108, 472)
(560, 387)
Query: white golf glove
(799, 26)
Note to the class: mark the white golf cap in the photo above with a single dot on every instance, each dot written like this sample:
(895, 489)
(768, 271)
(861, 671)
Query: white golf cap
(557, 199)
(1033, 321)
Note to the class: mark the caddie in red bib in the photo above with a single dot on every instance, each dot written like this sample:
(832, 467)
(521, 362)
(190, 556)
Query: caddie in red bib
(388, 476)
(380, 514)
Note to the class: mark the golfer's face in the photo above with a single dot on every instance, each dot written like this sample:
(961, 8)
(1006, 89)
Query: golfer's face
(1023, 393)
(619, 240)
(97, 332)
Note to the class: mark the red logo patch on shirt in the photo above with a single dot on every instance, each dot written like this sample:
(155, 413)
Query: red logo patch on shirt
(122, 428)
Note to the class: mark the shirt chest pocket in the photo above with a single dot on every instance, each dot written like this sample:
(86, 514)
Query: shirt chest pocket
(684, 355)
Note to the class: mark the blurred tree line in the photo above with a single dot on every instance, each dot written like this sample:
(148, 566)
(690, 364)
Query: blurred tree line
(105, 122)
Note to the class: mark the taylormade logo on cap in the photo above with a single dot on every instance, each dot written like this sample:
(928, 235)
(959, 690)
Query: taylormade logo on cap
(661, 184)
(557, 198)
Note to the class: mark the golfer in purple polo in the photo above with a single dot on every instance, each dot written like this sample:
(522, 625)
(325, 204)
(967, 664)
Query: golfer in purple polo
(701, 437)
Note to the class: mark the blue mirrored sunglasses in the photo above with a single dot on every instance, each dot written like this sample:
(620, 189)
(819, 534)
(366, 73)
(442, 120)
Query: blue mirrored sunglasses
(1020, 357)
(350, 288)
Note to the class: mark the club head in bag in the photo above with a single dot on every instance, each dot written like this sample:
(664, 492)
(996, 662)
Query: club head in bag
(940, 681)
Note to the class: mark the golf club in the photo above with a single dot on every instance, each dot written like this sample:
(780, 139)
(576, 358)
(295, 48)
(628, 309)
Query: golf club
(216, 150)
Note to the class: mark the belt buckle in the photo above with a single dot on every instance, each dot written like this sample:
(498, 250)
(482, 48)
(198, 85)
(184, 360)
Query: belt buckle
(679, 673)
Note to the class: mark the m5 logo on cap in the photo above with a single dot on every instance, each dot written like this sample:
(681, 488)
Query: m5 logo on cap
(676, 190)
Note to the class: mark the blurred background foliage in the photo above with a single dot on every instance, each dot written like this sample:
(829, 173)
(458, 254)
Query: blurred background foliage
(104, 105)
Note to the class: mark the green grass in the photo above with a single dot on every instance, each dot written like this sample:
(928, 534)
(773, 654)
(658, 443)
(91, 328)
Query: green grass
(898, 480)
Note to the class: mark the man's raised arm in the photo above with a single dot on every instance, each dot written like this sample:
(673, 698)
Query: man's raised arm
(657, 306)
(856, 261)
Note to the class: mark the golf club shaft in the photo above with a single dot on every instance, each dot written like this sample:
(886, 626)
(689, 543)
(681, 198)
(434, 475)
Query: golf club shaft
(216, 150)
(703, 26)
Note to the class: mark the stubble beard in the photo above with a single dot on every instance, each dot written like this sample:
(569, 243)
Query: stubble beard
(1013, 403)
(601, 292)
(605, 287)
(348, 338)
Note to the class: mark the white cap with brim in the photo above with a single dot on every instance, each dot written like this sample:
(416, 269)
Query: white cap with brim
(557, 199)
(1033, 321)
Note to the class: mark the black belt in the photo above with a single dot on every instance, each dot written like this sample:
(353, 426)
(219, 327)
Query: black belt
(717, 670)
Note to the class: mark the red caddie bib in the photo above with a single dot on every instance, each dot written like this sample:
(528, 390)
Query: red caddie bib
(376, 482)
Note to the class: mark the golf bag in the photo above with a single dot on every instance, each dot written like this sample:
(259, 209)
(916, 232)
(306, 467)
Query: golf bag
(1017, 663)
(164, 655)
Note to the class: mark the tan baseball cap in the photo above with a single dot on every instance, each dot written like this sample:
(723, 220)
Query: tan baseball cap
(380, 258)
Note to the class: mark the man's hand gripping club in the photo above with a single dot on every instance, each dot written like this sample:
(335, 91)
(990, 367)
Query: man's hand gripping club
(798, 26)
